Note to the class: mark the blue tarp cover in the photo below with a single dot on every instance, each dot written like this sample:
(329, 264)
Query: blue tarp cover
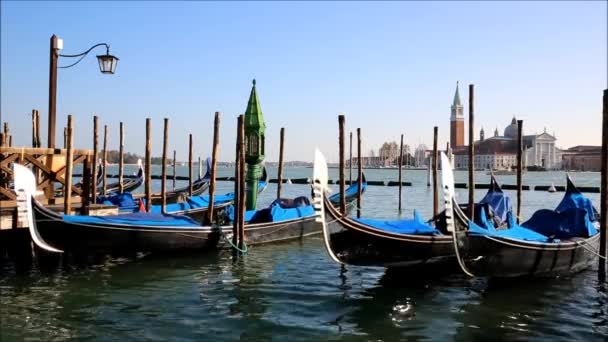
(498, 204)
(570, 223)
(513, 232)
(274, 213)
(137, 219)
(415, 226)
(578, 200)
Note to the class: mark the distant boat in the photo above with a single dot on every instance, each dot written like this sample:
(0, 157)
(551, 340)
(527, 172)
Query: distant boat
(552, 188)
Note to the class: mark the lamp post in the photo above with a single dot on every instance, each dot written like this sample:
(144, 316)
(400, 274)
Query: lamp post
(254, 146)
(107, 65)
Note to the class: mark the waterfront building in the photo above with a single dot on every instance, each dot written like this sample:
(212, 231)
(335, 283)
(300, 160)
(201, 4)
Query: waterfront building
(582, 158)
(499, 152)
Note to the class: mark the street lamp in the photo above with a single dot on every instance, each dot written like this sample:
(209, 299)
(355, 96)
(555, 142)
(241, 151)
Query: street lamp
(107, 65)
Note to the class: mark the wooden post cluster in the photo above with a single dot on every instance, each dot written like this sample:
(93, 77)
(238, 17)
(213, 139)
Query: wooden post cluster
(520, 148)
(604, 190)
(359, 173)
(67, 188)
(148, 167)
(435, 189)
(471, 204)
(342, 180)
(280, 176)
(105, 160)
(214, 152)
(121, 159)
(163, 187)
(190, 146)
(400, 163)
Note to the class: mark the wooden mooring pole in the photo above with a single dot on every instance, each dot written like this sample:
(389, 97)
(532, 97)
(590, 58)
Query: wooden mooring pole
(38, 143)
(242, 185)
(67, 187)
(280, 175)
(400, 163)
(342, 180)
(121, 159)
(190, 147)
(65, 137)
(435, 189)
(148, 167)
(350, 160)
(237, 184)
(200, 168)
(163, 186)
(175, 156)
(105, 160)
(95, 156)
(604, 190)
(214, 152)
(34, 128)
(87, 181)
(520, 147)
(359, 173)
(471, 185)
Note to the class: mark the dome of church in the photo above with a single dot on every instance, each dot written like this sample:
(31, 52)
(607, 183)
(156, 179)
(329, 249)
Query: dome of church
(511, 130)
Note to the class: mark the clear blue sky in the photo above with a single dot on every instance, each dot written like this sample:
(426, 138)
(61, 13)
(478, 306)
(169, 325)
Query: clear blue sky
(390, 67)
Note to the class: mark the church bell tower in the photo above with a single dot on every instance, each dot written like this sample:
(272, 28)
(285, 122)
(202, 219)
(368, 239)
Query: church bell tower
(457, 121)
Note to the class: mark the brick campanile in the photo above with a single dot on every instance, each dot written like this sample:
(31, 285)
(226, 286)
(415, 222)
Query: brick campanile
(457, 121)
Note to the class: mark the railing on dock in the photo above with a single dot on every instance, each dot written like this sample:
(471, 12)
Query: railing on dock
(50, 167)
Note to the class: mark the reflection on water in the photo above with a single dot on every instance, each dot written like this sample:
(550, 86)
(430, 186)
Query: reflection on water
(289, 290)
(293, 291)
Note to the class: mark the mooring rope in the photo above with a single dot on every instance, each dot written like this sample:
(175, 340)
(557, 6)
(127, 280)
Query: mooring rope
(584, 245)
(243, 251)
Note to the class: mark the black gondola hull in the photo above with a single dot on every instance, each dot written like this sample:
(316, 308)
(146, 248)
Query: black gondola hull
(507, 258)
(356, 244)
(133, 238)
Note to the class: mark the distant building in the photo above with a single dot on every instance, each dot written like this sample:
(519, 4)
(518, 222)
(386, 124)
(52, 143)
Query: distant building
(421, 156)
(500, 152)
(582, 158)
(457, 121)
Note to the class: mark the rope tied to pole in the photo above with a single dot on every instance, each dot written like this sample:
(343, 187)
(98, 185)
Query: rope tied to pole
(228, 239)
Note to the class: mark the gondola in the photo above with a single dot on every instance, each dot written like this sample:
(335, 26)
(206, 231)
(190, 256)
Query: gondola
(286, 219)
(196, 207)
(128, 185)
(551, 243)
(366, 242)
(132, 233)
(199, 186)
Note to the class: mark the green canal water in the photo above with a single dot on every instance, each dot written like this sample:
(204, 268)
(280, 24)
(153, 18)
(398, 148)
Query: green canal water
(293, 291)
